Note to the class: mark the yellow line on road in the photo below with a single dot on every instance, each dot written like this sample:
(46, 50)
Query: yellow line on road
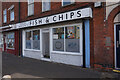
(117, 71)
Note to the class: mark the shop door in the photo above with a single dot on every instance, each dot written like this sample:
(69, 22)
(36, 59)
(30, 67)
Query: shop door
(118, 46)
(45, 43)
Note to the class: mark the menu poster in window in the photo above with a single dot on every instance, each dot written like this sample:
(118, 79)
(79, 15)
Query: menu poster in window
(70, 32)
(13, 40)
(35, 37)
(11, 35)
(77, 32)
(55, 36)
(62, 36)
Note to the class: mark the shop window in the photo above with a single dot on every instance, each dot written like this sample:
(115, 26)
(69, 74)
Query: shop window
(36, 39)
(69, 43)
(33, 39)
(67, 2)
(72, 39)
(58, 39)
(45, 5)
(30, 7)
(28, 40)
(10, 40)
(12, 14)
(5, 16)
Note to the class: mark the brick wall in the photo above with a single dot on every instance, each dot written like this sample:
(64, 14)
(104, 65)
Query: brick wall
(7, 5)
(56, 7)
(101, 55)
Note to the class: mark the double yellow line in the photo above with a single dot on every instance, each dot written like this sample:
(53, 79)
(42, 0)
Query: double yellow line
(117, 71)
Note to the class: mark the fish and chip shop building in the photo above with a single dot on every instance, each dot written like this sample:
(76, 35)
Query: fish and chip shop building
(74, 34)
(60, 42)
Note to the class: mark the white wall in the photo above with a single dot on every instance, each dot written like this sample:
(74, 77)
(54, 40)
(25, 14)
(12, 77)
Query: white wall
(76, 60)
(32, 54)
(66, 58)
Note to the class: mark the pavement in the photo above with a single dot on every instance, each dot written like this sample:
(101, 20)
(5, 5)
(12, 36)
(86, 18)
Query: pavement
(22, 67)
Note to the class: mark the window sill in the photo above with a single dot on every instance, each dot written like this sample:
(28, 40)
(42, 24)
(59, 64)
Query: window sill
(10, 48)
(30, 15)
(67, 53)
(4, 22)
(11, 20)
(32, 50)
(45, 11)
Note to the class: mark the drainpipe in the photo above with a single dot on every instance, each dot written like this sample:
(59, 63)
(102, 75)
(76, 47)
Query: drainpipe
(20, 35)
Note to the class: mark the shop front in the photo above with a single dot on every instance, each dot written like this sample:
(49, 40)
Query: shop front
(62, 38)
(11, 42)
(60, 42)
(63, 44)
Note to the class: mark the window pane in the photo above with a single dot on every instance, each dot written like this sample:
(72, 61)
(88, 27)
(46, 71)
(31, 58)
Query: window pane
(45, 6)
(5, 15)
(30, 9)
(58, 39)
(66, 2)
(72, 39)
(28, 40)
(5, 12)
(5, 18)
(10, 40)
(36, 39)
(30, 1)
(12, 15)
(36, 35)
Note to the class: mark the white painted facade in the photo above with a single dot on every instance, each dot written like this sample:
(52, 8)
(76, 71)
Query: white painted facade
(71, 58)
(66, 57)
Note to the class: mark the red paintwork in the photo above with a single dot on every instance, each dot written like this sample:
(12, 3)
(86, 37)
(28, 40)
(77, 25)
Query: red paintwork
(0, 49)
(16, 50)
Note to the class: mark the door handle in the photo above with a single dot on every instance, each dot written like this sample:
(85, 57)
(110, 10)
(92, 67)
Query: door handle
(117, 44)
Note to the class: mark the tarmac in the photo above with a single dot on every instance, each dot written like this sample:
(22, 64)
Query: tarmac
(29, 69)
